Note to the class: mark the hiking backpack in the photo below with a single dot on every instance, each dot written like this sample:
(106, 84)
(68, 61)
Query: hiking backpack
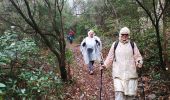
(116, 44)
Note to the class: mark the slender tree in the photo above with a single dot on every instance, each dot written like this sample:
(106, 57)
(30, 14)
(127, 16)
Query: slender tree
(54, 38)
(155, 16)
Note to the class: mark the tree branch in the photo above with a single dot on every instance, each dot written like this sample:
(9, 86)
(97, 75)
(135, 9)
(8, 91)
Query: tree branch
(60, 8)
(33, 24)
(29, 13)
(21, 13)
(147, 11)
(52, 35)
(52, 18)
(154, 9)
(163, 9)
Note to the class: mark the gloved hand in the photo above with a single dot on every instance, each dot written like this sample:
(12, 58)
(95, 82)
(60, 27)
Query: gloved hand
(102, 65)
(139, 64)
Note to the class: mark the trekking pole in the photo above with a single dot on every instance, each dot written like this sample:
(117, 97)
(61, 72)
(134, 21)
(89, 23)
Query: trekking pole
(143, 90)
(101, 72)
(101, 75)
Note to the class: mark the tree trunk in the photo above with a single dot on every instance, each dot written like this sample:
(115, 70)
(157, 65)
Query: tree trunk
(159, 46)
(62, 51)
(165, 51)
(167, 33)
(63, 72)
(62, 66)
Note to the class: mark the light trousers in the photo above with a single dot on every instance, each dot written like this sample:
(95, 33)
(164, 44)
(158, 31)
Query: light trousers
(121, 96)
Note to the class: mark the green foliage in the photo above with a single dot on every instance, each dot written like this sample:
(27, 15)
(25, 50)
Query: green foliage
(98, 31)
(39, 83)
(13, 47)
(32, 84)
(81, 28)
(147, 45)
(69, 18)
(156, 75)
(31, 80)
(69, 56)
(2, 88)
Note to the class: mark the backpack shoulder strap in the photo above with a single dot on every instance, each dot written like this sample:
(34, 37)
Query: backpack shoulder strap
(132, 45)
(115, 46)
(97, 40)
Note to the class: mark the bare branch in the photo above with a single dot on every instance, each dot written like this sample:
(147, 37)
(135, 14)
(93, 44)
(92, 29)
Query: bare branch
(147, 11)
(60, 5)
(113, 10)
(52, 18)
(55, 6)
(155, 13)
(160, 3)
(21, 13)
(52, 35)
(47, 2)
(163, 10)
(29, 13)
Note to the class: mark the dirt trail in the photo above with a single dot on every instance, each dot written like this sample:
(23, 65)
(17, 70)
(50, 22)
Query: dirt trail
(87, 87)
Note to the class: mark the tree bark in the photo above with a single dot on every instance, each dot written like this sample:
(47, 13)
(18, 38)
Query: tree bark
(159, 46)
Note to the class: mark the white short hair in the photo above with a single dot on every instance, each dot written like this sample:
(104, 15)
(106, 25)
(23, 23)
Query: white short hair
(124, 30)
(91, 31)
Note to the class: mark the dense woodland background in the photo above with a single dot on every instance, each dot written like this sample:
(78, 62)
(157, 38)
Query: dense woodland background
(36, 59)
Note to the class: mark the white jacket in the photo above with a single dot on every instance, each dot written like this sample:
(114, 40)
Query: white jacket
(125, 65)
(91, 43)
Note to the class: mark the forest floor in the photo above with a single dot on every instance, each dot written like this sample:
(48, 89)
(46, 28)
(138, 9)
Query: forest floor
(87, 87)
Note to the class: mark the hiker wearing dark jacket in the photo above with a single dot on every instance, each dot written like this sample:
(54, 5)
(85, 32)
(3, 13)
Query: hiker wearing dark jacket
(70, 36)
(91, 47)
(125, 60)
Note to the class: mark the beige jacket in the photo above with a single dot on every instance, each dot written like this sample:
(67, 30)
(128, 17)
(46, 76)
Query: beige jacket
(124, 67)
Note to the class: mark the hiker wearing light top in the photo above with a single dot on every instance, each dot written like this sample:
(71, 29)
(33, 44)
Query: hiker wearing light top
(125, 59)
(91, 47)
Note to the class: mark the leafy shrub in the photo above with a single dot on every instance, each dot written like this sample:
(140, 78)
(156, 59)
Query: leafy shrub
(148, 47)
(23, 68)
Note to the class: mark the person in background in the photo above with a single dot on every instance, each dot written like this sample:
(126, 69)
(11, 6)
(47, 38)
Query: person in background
(125, 59)
(70, 36)
(90, 48)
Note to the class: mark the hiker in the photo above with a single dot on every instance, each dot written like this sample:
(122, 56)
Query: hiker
(125, 59)
(91, 47)
(70, 36)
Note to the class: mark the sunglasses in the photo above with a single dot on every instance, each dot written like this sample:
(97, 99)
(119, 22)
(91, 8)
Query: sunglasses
(124, 34)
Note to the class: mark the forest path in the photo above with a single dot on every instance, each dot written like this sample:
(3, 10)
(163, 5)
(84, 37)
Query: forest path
(86, 86)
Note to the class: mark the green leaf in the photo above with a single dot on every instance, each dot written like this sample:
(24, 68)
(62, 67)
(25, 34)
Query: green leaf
(2, 85)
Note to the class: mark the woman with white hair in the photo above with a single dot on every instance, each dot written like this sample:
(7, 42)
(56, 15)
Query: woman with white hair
(125, 59)
(91, 47)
